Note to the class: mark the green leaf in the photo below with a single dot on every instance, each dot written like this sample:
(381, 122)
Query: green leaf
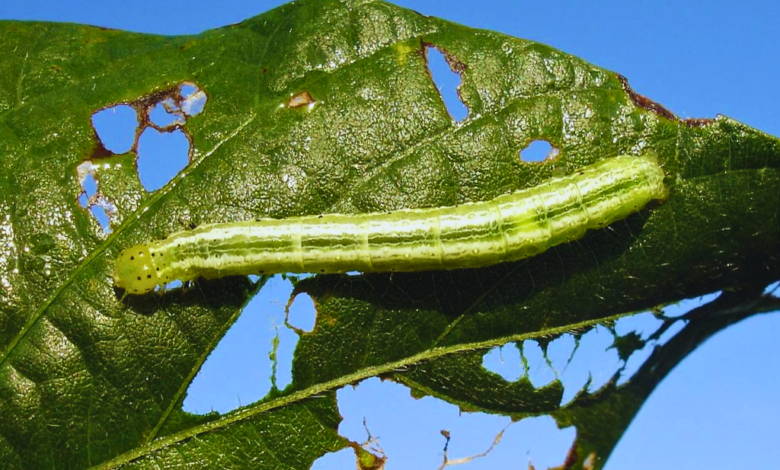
(88, 378)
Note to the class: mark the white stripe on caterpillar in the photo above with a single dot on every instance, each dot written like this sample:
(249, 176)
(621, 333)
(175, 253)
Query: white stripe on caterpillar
(507, 228)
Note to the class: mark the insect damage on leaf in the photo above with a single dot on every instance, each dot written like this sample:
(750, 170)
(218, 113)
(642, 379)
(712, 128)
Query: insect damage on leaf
(303, 98)
(508, 228)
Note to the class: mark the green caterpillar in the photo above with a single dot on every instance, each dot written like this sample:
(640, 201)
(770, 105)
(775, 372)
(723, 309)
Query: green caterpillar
(508, 228)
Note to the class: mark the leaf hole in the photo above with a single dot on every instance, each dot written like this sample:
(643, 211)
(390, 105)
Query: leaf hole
(504, 361)
(90, 197)
(301, 313)
(771, 289)
(89, 187)
(161, 156)
(115, 127)
(537, 151)
(633, 342)
(539, 367)
(150, 127)
(575, 361)
(240, 370)
(447, 80)
(409, 431)
(166, 113)
(193, 99)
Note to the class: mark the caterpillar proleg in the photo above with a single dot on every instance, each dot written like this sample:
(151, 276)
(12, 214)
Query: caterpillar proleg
(508, 228)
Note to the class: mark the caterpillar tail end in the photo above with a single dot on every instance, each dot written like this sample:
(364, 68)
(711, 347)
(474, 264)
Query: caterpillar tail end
(134, 271)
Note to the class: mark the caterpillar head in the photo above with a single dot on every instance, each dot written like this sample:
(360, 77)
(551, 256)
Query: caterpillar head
(134, 271)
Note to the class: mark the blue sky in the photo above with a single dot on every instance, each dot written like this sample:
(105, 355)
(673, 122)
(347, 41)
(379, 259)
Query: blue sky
(718, 409)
